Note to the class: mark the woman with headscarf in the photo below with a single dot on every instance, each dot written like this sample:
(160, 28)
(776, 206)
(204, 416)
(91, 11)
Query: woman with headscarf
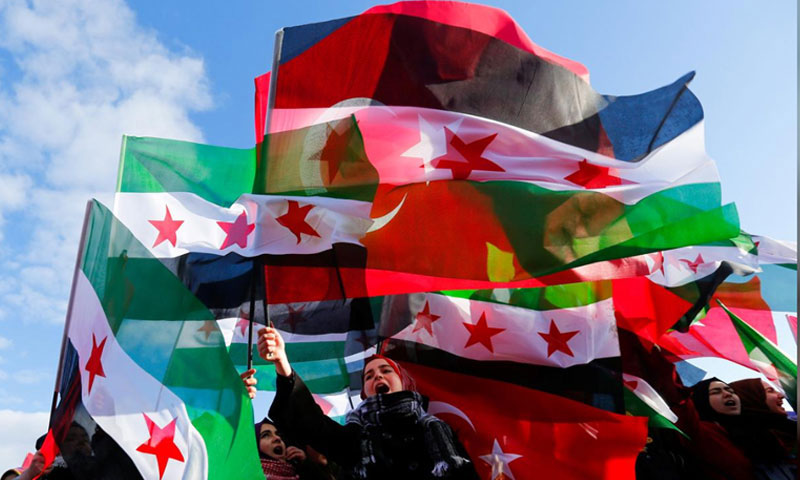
(389, 435)
(769, 436)
(709, 419)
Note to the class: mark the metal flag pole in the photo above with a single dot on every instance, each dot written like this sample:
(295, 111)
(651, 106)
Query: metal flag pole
(56, 388)
(273, 83)
(252, 313)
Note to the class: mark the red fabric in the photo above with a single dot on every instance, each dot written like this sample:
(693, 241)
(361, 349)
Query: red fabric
(49, 450)
(316, 283)
(27, 462)
(716, 336)
(646, 308)
(715, 455)
(556, 437)
(480, 18)
(261, 103)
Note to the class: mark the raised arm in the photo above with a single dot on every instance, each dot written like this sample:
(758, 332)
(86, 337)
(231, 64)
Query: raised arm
(297, 414)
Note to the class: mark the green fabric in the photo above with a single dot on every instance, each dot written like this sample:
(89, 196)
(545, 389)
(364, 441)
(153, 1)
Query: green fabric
(217, 174)
(545, 298)
(569, 229)
(156, 321)
(761, 349)
(297, 351)
(637, 407)
(320, 160)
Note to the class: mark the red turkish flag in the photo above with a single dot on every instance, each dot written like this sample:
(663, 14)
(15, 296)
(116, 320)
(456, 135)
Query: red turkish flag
(527, 434)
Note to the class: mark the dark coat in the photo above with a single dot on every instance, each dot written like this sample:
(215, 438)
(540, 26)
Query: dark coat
(399, 448)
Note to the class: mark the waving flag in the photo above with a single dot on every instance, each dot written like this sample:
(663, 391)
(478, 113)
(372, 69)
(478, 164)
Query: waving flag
(515, 432)
(150, 366)
(767, 357)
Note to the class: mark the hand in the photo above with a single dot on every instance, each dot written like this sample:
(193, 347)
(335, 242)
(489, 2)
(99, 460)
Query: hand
(35, 468)
(295, 454)
(272, 349)
(250, 382)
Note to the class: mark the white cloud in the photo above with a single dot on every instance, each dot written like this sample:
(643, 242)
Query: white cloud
(4, 343)
(22, 429)
(85, 74)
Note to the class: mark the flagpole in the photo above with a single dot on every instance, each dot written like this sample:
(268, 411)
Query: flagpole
(68, 320)
(273, 85)
(252, 314)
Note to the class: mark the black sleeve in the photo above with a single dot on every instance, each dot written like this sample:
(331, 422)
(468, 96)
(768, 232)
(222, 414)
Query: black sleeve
(296, 413)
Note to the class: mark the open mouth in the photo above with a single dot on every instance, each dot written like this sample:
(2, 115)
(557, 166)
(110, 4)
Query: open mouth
(382, 388)
(730, 403)
(278, 450)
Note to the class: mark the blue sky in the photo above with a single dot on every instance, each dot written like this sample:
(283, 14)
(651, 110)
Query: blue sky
(76, 75)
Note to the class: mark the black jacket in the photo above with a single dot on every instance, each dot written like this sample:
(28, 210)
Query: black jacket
(400, 449)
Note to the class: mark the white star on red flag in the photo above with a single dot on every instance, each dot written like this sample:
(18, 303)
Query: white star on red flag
(499, 461)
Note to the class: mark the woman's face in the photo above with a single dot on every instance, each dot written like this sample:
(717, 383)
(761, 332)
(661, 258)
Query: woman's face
(270, 442)
(723, 399)
(774, 398)
(380, 377)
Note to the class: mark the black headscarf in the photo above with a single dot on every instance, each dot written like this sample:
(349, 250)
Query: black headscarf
(746, 432)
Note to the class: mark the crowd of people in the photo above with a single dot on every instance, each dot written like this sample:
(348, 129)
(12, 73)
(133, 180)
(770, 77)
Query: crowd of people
(737, 431)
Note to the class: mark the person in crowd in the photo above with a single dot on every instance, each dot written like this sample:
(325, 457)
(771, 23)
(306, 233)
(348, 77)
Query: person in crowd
(712, 425)
(768, 436)
(278, 459)
(276, 456)
(388, 436)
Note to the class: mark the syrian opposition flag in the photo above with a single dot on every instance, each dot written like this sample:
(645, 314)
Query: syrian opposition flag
(561, 339)
(305, 235)
(520, 433)
(491, 331)
(151, 364)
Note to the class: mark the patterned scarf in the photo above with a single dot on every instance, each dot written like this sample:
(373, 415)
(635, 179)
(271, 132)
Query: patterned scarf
(406, 407)
(278, 470)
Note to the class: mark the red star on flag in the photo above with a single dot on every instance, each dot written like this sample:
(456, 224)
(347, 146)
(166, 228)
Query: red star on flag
(481, 333)
(237, 231)
(94, 366)
(161, 444)
(693, 265)
(338, 150)
(167, 229)
(425, 319)
(592, 176)
(243, 324)
(295, 317)
(658, 262)
(557, 340)
(209, 327)
(463, 158)
(295, 220)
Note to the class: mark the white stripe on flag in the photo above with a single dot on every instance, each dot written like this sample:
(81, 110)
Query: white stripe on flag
(120, 399)
(586, 332)
(252, 223)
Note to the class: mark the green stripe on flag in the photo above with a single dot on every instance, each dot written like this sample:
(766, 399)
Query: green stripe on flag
(216, 174)
(635, 406)
(156, 321)
(298, 352)
(761, 349)
(545, 298)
